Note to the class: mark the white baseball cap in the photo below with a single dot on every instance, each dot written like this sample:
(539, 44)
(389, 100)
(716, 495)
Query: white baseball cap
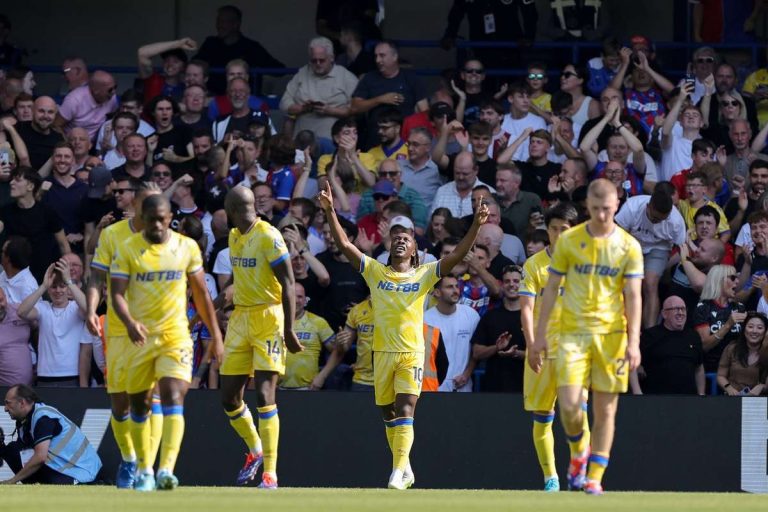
(401, 220)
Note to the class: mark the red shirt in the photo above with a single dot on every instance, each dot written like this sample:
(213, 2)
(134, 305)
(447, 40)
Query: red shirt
(419, 119)
(678, 180)
(370, 224)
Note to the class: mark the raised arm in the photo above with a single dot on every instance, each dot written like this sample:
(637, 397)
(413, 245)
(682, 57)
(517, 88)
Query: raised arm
(674, 113)
(347, 248)
(146, 52)
(618, 80)
(27, 309)
(22, 154)
(509, 152)
(660, 80)
(586, 146)
(461, 250)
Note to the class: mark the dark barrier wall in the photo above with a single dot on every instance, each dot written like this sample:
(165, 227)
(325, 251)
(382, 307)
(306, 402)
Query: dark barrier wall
(462, 441)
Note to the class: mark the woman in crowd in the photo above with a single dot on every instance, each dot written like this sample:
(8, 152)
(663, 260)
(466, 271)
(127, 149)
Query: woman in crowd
(740, 371)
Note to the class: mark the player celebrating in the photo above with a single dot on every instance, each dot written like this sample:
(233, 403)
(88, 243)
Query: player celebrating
(116, 335)
(259, 331)
(397, 294)
(540, 390)
(599, 339)
(149, 294)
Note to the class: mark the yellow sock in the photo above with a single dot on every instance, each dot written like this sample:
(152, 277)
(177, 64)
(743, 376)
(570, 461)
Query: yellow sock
(140, 434)
(156, 425)
(242, 421)
(578, 444)
(121, 430)
(269, 428)
(390, 431)
(597, 464)
(173, 433)
(402, 442)
(544, 442)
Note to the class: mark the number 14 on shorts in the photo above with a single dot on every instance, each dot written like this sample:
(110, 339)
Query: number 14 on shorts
(273, 347)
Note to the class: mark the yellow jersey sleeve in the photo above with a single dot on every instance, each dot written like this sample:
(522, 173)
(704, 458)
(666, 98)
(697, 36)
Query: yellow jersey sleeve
(109, 239)
(300, 368)
(254, 255)
(535, 276)
(398, 300)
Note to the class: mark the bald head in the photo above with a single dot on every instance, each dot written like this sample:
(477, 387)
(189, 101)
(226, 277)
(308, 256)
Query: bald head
(43, 113)
(601, 189)
(674, 313)
(240, 205)
(102, 86)
(491, 235)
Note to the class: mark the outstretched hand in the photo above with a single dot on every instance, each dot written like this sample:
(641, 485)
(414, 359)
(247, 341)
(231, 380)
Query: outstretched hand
(325, 197)
(482, 213)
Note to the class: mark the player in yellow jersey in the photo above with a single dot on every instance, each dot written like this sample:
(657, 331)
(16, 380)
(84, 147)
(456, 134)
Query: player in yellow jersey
(398, 290)
(314, 333)
(599, 340)
(149, 276)
(258, 333)
(540, 389)
(116, 335)
(359, 330)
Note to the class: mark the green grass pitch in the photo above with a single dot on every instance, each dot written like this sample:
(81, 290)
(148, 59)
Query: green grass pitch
(213, 499)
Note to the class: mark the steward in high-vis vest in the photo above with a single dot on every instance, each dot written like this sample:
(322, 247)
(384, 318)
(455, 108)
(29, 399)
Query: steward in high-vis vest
(62, 454)
(435, 359)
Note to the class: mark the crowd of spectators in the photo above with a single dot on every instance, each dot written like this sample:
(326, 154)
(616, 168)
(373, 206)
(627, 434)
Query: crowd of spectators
(683, 152)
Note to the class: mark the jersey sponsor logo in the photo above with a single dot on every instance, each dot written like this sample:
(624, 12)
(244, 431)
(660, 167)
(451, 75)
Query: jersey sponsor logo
(403, 287)
(365, 328)
(304, 335)
(162, 275)
(238, 261)
(598, 270)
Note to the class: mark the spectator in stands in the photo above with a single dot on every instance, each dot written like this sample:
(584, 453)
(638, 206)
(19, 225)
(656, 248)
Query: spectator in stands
(23, 106)
(696, 260)
(672, 355)
(573, 81)
(75, 72)
(737, 163)
(356, 58)
(170, 143)
(88, 107)
(741, 207)
(16, 280)
(64, 352)
(563, 139)
(347, 286)
(440, 223)
(320, 92)
(389, 170)
(31, 219)
(238, 92)
(304, 210)
(754, 271)
(130, 102)
(66, 194)
(725, 82)
(229, 43)
(457, 323)
(515, 205)
(602, 69)
(659, 227)
(702, 151)
(492, 237)
(676, 149)
(307, 269)
(383, 193)
(193, 116)
(519, 119)
(536, 80)
(15, 356)
(456, 195)
(171, 82)
(482, 194)
(703, 65)
(537, 170)
(282, 154)
(472, 77)
(134, 149)
(731, 109)
(347, 158)
(81, 146)
(221, 105)
(644, 99)
(492, 112)
(389, 123)
(481, 289)
(741, 371)
(498, 339)
(718, 316)
(196, 73)
(476, 139)
(122, 125)
(696, 184)
(302, 369)
(38, 135)
(389, 85)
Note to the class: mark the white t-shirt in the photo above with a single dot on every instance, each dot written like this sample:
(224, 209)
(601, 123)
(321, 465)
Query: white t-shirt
(662, 235)
(744, 238)
(61, 333)
(18, 287)
(515, 127)
(223, 266)
(145, 129)
(512, 248)
(457, 330)
(676, 158)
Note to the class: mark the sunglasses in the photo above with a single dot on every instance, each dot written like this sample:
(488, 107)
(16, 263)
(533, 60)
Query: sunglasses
(536, 76)
(161, 174)
(705, 60)
(380, 197)
(387, 174)
(726, 103)
(474, 71)
(123, 190)
(568, 74)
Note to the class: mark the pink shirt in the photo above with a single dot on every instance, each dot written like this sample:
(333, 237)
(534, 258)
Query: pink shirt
(81, 110)
(15, 357)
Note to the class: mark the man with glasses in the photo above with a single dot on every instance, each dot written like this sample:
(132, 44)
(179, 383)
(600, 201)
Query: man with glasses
(696, 186)
(472, 74)
(88, 107)
(75, 72)
(390, 170)
(320, 92)
(389, 122)
(658, 226)
(726, 81)
(672, 355)
(419, 172)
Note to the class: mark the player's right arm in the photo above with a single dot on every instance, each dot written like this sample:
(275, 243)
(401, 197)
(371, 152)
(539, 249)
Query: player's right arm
(136, 330)
(526, 319)
(349, 250)
(548, 298)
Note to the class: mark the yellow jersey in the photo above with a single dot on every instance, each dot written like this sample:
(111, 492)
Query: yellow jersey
(400, 152)
(758, 80)
(313, 332)
(253, 254)
(360, 320)
(689, 212)
(595, 270)
(368, 161)
(544, 102)
(109, 239)
(157, 280)
(535, 276)
(398, 300)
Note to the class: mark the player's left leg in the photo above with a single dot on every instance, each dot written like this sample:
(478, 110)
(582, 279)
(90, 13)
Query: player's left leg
(172, 393)
(604, 407)
(156, 421)
(269, 424)
(241, 419)
(402, 440)
(141, 437)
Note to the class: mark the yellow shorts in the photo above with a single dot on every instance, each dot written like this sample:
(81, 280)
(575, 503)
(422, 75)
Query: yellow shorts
(254, 341)
(540, 389)
(598, 358)
(396, 373)
(161, 356)
(117, 371)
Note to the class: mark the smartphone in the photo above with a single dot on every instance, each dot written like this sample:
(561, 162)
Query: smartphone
(741, 308)
(5, 157)
(690, 79)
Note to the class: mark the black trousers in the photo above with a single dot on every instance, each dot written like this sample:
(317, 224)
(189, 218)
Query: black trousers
(11, 454)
